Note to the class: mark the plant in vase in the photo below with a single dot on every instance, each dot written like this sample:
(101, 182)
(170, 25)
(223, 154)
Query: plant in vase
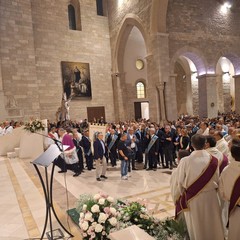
(98, 216)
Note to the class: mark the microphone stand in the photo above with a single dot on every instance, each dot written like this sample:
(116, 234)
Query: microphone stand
(48, 194)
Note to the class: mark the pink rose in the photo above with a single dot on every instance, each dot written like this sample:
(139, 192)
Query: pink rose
(107, 210)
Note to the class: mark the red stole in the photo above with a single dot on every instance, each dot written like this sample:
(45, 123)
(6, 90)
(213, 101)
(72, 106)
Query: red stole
(51, 135)
(196, 187)
(235, 196)
(224, 163)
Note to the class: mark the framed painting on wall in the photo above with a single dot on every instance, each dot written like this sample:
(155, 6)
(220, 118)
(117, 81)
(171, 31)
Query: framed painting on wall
(76, 80)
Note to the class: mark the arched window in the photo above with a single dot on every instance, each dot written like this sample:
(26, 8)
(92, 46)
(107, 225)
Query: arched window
(140, 90)
(71, 17)
(101, 7)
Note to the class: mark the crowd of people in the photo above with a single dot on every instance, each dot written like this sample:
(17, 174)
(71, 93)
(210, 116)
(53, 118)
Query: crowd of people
(7, 127)
(206, 182)
(204, 152)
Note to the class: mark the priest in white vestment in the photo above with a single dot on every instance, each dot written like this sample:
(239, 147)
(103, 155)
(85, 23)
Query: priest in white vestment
(227, 181)
(212, 150)
(204, 129)
(203, 216)
(222, 144)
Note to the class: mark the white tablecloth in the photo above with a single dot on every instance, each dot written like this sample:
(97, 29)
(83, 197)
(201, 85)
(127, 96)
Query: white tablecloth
(130, 233)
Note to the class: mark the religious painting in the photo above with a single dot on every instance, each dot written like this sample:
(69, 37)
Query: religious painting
(76, 80)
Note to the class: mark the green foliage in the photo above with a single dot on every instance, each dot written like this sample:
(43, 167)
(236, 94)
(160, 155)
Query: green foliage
(132, 213)
(82, 200)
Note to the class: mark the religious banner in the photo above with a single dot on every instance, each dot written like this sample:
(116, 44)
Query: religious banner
(76, 80)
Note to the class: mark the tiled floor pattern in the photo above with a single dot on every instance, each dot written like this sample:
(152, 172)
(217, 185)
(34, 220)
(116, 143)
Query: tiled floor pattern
(23, 207)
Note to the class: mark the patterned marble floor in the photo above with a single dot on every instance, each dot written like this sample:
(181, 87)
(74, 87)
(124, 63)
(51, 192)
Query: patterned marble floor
(22, 203)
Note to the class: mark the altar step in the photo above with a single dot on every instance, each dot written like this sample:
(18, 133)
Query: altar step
(29, 201)
(13, 154)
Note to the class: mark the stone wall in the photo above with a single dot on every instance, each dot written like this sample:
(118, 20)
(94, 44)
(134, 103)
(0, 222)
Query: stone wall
(36, 38)
(19, 79)
(202, 25)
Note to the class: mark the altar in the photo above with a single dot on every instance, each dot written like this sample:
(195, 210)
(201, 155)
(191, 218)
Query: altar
(22, 144)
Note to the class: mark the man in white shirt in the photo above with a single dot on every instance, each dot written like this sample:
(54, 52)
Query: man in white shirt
(222, 144)
(8, 128)
(1, 129)
(204, 130)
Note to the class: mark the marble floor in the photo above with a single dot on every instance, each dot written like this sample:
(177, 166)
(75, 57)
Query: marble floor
(22, 202)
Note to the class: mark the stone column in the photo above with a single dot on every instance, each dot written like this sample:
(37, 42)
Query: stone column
(171, 98)
(219, 86)
(122, 96)
(208, 105)
(226, 92)
(151, 90)
(115, 95)
(160, 87)
(3, 112)
(189, 99)
(237, 93)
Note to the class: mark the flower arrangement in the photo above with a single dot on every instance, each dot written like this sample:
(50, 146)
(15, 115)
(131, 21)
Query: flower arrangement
(34, 126)
(97, 216)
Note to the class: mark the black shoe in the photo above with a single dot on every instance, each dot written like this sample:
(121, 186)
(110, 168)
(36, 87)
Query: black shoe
(76, 174)
(135, 169)
(62, 171)
(89, 169)
(99, 179)
(155, 169)
(171, 167)
(93, 168)
(102, 176)
(149, 169)
(165, 167)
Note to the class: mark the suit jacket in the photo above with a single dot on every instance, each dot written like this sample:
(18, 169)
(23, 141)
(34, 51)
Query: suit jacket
(98, 149)
(129, 141)
(86, 144)
(185, 142)
(155, 147)
(114, 147)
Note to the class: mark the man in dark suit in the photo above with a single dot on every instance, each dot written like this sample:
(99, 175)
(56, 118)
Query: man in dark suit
(160, 133)
(152, 150)
(99, 157)
(112, 142)
(139, 153)
(131, 143)
(86, 145)
(76, 141)
(168, 146)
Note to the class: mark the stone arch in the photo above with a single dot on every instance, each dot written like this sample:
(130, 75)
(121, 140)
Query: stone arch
(233, 58)
(227, 66)
(159, 16)
(130, 21)
(194, 55)
(76, 6)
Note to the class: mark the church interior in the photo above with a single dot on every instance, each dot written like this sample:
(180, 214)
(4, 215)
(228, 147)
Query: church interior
(108, 63)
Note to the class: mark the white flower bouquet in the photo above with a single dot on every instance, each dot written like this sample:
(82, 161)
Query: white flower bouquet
(34, 126)
(98, 216)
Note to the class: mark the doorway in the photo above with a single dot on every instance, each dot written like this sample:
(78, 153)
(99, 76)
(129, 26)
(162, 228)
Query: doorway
(141, 110)
(95, 113)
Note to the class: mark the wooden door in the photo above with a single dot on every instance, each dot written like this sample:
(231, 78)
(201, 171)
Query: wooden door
(138, 111)
(95, 113)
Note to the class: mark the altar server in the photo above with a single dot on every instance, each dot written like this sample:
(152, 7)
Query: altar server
(197, 182)
(229, 185)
